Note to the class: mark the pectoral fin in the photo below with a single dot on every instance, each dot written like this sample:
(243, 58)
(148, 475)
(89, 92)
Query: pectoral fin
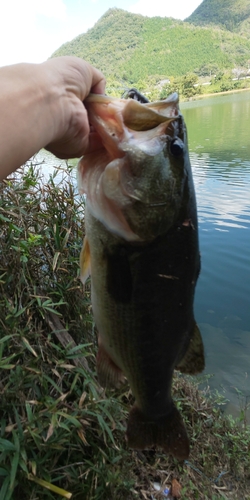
(193, 360)
(85, 260)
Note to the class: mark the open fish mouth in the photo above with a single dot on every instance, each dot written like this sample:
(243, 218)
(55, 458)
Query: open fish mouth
(136, 115)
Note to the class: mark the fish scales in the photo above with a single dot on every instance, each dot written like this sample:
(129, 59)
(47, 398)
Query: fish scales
(141, 247)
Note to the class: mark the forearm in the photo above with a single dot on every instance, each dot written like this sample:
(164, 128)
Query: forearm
(26, 121)
(41, 105)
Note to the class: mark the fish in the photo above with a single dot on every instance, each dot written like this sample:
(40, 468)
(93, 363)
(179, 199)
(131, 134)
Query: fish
(141, 249)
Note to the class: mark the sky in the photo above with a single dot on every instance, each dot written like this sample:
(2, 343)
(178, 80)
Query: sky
(31, 30)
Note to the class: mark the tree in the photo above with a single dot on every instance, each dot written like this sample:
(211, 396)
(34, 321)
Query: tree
(187, 85)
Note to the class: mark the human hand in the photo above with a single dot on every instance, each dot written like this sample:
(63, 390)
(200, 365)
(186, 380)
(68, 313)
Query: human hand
(71, 80)
(41, 105)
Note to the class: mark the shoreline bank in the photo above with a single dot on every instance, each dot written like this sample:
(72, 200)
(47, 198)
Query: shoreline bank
(212, 94)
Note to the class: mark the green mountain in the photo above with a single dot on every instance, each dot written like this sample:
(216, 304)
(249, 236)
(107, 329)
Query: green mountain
(132, 49)
(233, 15)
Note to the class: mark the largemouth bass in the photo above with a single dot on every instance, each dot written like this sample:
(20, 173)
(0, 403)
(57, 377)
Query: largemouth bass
(141, 249)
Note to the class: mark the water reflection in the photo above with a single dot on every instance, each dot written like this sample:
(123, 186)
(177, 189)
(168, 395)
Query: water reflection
(223, 193)
(220, 125)
(220, 156)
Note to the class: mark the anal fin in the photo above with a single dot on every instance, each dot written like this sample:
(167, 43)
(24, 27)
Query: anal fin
(109, 374)
(167, 432)
(193, 360)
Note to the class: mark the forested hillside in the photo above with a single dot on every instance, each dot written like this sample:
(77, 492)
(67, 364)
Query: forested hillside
(233, 15)
(110, 43)
(133, 50)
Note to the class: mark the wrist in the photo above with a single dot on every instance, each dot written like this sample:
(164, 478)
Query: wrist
(53, 95)
(27, 122)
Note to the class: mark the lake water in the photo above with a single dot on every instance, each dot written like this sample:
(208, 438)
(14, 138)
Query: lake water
(219, 144)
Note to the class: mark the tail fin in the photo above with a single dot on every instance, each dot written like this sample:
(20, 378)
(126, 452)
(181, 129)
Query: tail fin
(167, 432)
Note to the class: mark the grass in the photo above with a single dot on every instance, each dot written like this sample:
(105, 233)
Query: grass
(61, 435)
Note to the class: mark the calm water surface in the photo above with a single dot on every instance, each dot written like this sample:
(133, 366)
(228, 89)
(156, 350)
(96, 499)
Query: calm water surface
(219, 144)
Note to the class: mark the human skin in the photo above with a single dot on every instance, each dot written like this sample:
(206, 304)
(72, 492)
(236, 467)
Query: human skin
(41, 105)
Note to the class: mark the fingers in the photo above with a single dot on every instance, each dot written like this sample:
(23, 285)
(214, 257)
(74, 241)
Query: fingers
(91, 79)
(78, 76)
(78, 79)
(99, 82)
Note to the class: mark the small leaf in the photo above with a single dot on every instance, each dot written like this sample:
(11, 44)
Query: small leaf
(4, 219)
(66, 237)
(29, 412)
(106, 428)
(55, 259)
(5, 338)
(27, 344)
(6, 445)
(4, 489)
(52, 310)
(21, 311)
(71, 419)
(50, 487)
(50, 432)
(33, 467)
(82, 436)
(14, 465)
(3, 472)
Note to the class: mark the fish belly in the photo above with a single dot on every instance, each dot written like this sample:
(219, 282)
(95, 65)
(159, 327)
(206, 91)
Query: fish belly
(142, 298)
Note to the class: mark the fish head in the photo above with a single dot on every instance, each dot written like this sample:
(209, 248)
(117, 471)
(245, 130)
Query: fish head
(135, 183)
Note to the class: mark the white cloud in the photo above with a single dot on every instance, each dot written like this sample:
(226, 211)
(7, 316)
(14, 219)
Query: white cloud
(30, 30)
(179, 9)
(50, 8)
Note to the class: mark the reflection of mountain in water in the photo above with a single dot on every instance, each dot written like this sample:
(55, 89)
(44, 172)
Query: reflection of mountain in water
(220, 155)
(219, 126)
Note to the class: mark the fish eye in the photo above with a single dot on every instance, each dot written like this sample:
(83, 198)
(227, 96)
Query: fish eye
(176, 147)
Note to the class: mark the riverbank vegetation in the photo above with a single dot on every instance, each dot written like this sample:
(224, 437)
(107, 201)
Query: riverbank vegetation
(61, 435)
(192, 85)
